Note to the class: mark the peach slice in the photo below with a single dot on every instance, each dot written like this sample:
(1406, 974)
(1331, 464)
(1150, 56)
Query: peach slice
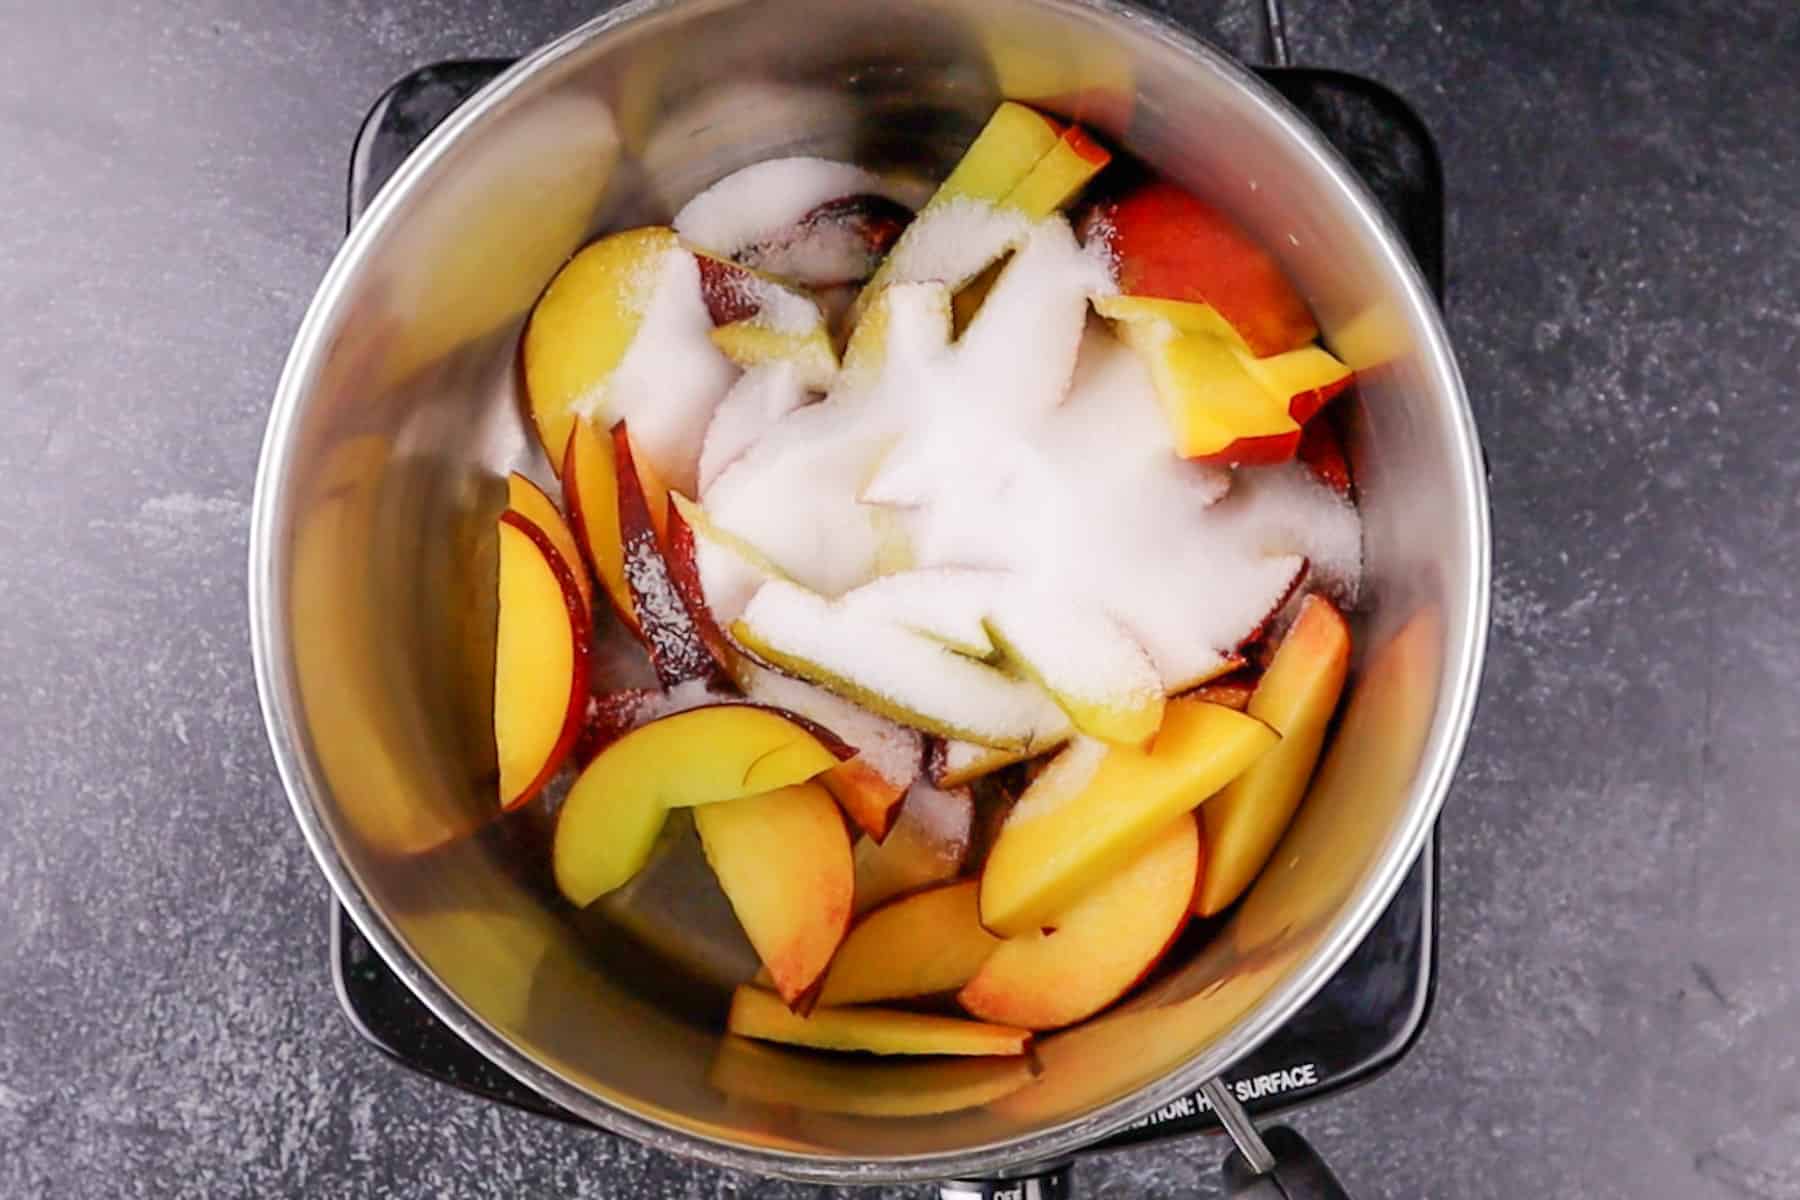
(1185, 315)
(1100, 676)
(759, 1014)
(1099, 948)
(615, 810)
(948, 604)
(783, 860)
(928, 844)
(888, 758)
(953, 762)
(584, 323)
(1059, 175)
(540, 660)
(1096, 807)
(758, 320)
(591, 485)
(902, 320)
(1172, 245)
(1296, 697)
(895, 672)
(1217, 411)
(768, 1074)
(714, 573)
(679, 649)
(930, 941)
(1014, 140)
(530, 501)
(751, 343)
(1304, 379)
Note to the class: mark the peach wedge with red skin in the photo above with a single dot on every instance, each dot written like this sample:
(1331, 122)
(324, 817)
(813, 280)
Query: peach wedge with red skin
(1096, 807)
(1057, 177)
(542, 652)
(530, 501)
(1217, 411)
(1172, 245)
(783, 860)
(1296, 696)
(591, 486)
(760, 1014)
(678, 647)
(927, 942)
(609, 823)
(1099, 948)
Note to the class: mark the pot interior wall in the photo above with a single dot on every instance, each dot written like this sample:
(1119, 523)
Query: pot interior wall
(392, 477)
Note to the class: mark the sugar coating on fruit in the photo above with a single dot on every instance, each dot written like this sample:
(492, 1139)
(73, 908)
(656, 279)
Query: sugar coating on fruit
(950, 604)
(958, 758)
(1077, 651)
(728, 576)
(676, 650)
(819, 253)
(762, 200)
(773, 307)
(889, 666)
(1065, 778)
(1295, 513)
(671, 377)
(1035, 445)
(792, 495)
(892, 751)
(762, 396)
(953, 241)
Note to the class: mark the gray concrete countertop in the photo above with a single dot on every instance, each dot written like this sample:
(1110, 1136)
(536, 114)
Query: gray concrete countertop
(1617, 1012)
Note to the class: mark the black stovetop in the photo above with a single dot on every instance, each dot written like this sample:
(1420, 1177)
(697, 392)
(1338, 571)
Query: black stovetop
(1364, 1020)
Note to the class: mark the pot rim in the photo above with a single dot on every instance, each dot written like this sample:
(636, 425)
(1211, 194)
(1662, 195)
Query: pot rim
(278, 694)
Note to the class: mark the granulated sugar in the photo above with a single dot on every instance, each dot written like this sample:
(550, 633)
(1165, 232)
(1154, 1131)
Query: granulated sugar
(764, 199)
(671, 378)
(902, 674)
(892, 751)
(762, 396)
(1010, 451)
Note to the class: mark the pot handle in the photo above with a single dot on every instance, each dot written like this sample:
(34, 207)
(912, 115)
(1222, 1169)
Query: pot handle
(1271, 1164)
(1050, 1182)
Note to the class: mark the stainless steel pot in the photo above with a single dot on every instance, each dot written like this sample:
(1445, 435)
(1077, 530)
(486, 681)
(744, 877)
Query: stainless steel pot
(397, 416)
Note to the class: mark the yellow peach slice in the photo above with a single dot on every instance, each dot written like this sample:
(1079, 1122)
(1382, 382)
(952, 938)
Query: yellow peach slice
(609, 823)
(1100, 947)
(1296, 697)
(583, 324)
(929, 941)
(531, 502)
(783, 860)
(1096, 807)
(540, 660)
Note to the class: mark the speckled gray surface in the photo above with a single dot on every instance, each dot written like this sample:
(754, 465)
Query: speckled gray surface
(1617, 1013)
